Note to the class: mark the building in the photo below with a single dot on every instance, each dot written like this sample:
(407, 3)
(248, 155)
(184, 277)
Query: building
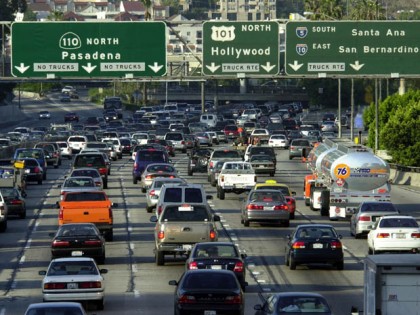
(244, 10)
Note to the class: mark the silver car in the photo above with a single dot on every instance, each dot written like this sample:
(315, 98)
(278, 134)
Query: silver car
(90, 172)
(78, 183)
(156, 170)
(367, 214)
(266, 206)
(152, 195)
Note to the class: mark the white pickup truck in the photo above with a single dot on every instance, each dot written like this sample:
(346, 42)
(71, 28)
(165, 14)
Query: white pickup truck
(235, 177)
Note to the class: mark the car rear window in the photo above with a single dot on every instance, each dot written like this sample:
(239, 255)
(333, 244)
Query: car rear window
(185, 213)
(85, 197)
(156, 156)
(226, 154)
(198, 280)
(301, 143)
(398, 223)
(89, 161)
(77, 139)
(174, 136)
(174, 194)
(374, 207)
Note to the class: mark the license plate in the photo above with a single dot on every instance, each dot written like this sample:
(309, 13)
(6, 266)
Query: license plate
(268, 208)
(76, 253)
(260, 166)
(210, 313)
(72, 286)
(217, 267)
(317, 245)
(399, 235)
(186, 247)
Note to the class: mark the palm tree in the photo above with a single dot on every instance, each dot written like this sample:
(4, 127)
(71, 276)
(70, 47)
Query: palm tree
(324, 9)
(147, 6)
(56, 16)
(367, 10)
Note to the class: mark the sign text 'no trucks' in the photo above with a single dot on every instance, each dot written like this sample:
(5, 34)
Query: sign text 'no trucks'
(88, 49)
(231, 48)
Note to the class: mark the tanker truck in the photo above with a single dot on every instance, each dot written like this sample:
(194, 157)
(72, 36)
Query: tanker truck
(343, 175)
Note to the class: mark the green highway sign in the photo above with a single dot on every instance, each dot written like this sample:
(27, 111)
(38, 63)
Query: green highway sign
(232, 48)
(88, 49)
(353, 48)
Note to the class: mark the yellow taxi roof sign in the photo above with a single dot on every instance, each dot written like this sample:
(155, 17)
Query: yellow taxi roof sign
(19, 164)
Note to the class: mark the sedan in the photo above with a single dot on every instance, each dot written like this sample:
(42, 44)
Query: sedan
(78, 239)
(218, 255)
(314, 244)
(293, 302)
(153, 193)
(33, 171)
(209, 292)
(394, 233)
(204, 139)
(90, 172)
(78, 183)
(71, 117)
(263, 164)
(56, 308)
(278, 141)
(44, 114)
(74, 279)
(367, 214)
(265, 205)
(299, 147)
(15, 202)
(328, 126)
(156, 170)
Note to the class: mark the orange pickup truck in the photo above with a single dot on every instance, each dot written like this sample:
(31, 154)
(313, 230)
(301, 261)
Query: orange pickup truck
(88, 207)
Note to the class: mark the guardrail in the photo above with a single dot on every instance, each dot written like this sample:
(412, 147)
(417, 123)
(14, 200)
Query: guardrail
(405, 175)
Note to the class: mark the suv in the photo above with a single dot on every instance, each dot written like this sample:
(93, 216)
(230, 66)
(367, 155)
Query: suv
(178, 141)
(54, 152)
(181, 193)
(94, 160)
(256, 149)
(77, 143)
(297, 146)
(198, 159)
(146, 157)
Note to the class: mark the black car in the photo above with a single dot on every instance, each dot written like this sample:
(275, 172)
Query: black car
(71, 117)
(78, 239)
(110, 115)
(198, 160)
(218, 255)
(314, 244)
(215, 291)
(15, 202)
(33, 170)
(126, 145)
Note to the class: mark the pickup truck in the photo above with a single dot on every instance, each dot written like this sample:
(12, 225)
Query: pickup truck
(180, 226)
(235, 177)
(87, 207)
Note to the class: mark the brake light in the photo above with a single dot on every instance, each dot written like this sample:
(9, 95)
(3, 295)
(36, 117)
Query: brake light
(236, 299)
(37, 169)
(60, 214)
(135, 164)
(110, 213)
(336, 245)
(161, 235)
(213, 235)
(239, 267)
(254, 207)
(159, 210)
(192, 265)
(222, 178)
(60, 244)
(90, 285)
(186, 299)
(415, 235)
(152, 192)
(103, 171)
(149, 176)
(93, 242)
(281, 207)
(16, 202)
(298, 245)
(364, 218)
(382, 235)
(292, 148)
(211, 165)
(54, 286)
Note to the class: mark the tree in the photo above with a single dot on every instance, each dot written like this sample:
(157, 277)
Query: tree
(147, 6)
(9, 8)
(399, 127)
(324, 9)
(56, 16)
(367, 10)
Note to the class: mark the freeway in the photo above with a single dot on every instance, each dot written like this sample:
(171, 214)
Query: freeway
(134, 284)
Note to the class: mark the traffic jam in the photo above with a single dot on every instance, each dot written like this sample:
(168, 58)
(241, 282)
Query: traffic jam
(230, 154)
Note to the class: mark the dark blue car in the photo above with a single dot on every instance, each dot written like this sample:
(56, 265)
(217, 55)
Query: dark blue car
(38, 154)
(146, 157)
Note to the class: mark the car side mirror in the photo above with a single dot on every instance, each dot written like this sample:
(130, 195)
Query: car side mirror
(102, 271)
(173, 282)
(258, 307)
(42, 272)
(243, 256)
(288, 236)
(153, 219)
(57, 204)
(51, 234)
(216, 218)
(293, 193)
(340, 236)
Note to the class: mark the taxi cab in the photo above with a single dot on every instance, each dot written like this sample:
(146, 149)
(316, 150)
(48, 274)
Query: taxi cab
(288, 194)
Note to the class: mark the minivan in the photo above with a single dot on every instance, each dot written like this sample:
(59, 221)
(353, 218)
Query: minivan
(93, 160)
(209, 119)
(178, 141)
(145, 157)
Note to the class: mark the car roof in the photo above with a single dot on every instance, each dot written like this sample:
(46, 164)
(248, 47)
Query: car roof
(68, 259)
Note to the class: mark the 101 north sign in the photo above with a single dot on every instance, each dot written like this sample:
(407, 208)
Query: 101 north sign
(232, 48)
(85, 49)
(353, 48)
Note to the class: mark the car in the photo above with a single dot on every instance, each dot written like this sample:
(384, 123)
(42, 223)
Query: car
(96, 160)
(53, 152)
(213, 137)
(44, 114)
(126, 145)
(328, 125)
(77, 142)
(222, 137)
(285, 190)
(78, 183)
(209, 290)
(278, 141)
(394, 234)
(67, 89)
(33, 171)
(110, 115)
(215, 171)
(218, 255)
(197, 161)
(78, 240)
(368, 212)
(257, 149)
(314, 244)
(15, 202)
(56, 308)
(204, 139)
(74, 279)
(178, 141)
(66, 150)
(293, 303)
(38, 154)
(72, 116)
(231, 131)
(298, 147)
(328, 117)
(152, 195)
(103, 147)
(167, 144)
(88, 172)
(115, 142)
(263, 164)
(156, 170)
(265, 206)
(144, 158)
(65, 98)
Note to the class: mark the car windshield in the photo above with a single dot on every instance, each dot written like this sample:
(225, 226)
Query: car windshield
(79, 182)
(283, 190)
(301, 143)
(201, 280)
(398, 223)
(302, 305)
(90, 173)
(174, 194)
(63, 268)
(161, 168)
(261, 158)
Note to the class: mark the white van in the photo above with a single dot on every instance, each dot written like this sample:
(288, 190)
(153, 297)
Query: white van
(209, 119)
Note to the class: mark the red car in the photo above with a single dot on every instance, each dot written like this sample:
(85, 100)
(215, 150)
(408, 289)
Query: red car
(231, 131)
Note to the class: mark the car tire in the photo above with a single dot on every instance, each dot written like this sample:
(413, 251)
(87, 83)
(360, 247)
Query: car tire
(109, 171)
(101, 260)
(292, 263)
(149, 209)
(23, 214)
(134, 180)
(44, 176)
(213, 183)
(221, 194)
(370, 251)
(339, 265)
(190, 172)
(286, 223)
(246, 223)
(100, 305)
(292, 216)
(286, 260)
(307, 203)
(3, 226)
(143, 190)
(160, 258)
(290, 157)
(109, 236)
(39, 181)
(105, 182)
(55, 165)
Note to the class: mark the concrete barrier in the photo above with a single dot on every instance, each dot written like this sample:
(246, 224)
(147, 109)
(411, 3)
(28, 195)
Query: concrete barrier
(399, 177)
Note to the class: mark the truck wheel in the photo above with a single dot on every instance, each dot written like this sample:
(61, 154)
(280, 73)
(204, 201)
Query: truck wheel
(160, 258)
(3, 226)
(100, 305)
(271, 174)
(190, 172)
(109, 236)
(23, 214)
(221, 194)
(292, 263)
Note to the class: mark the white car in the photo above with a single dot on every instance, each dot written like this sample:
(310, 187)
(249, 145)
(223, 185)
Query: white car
(152, 194)
(56, 308)
(278, 141)
(78, 183)
(116, 143)
(74, 279)
(66, 150)
(394, 233)
(77, 143)
(68, 89)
